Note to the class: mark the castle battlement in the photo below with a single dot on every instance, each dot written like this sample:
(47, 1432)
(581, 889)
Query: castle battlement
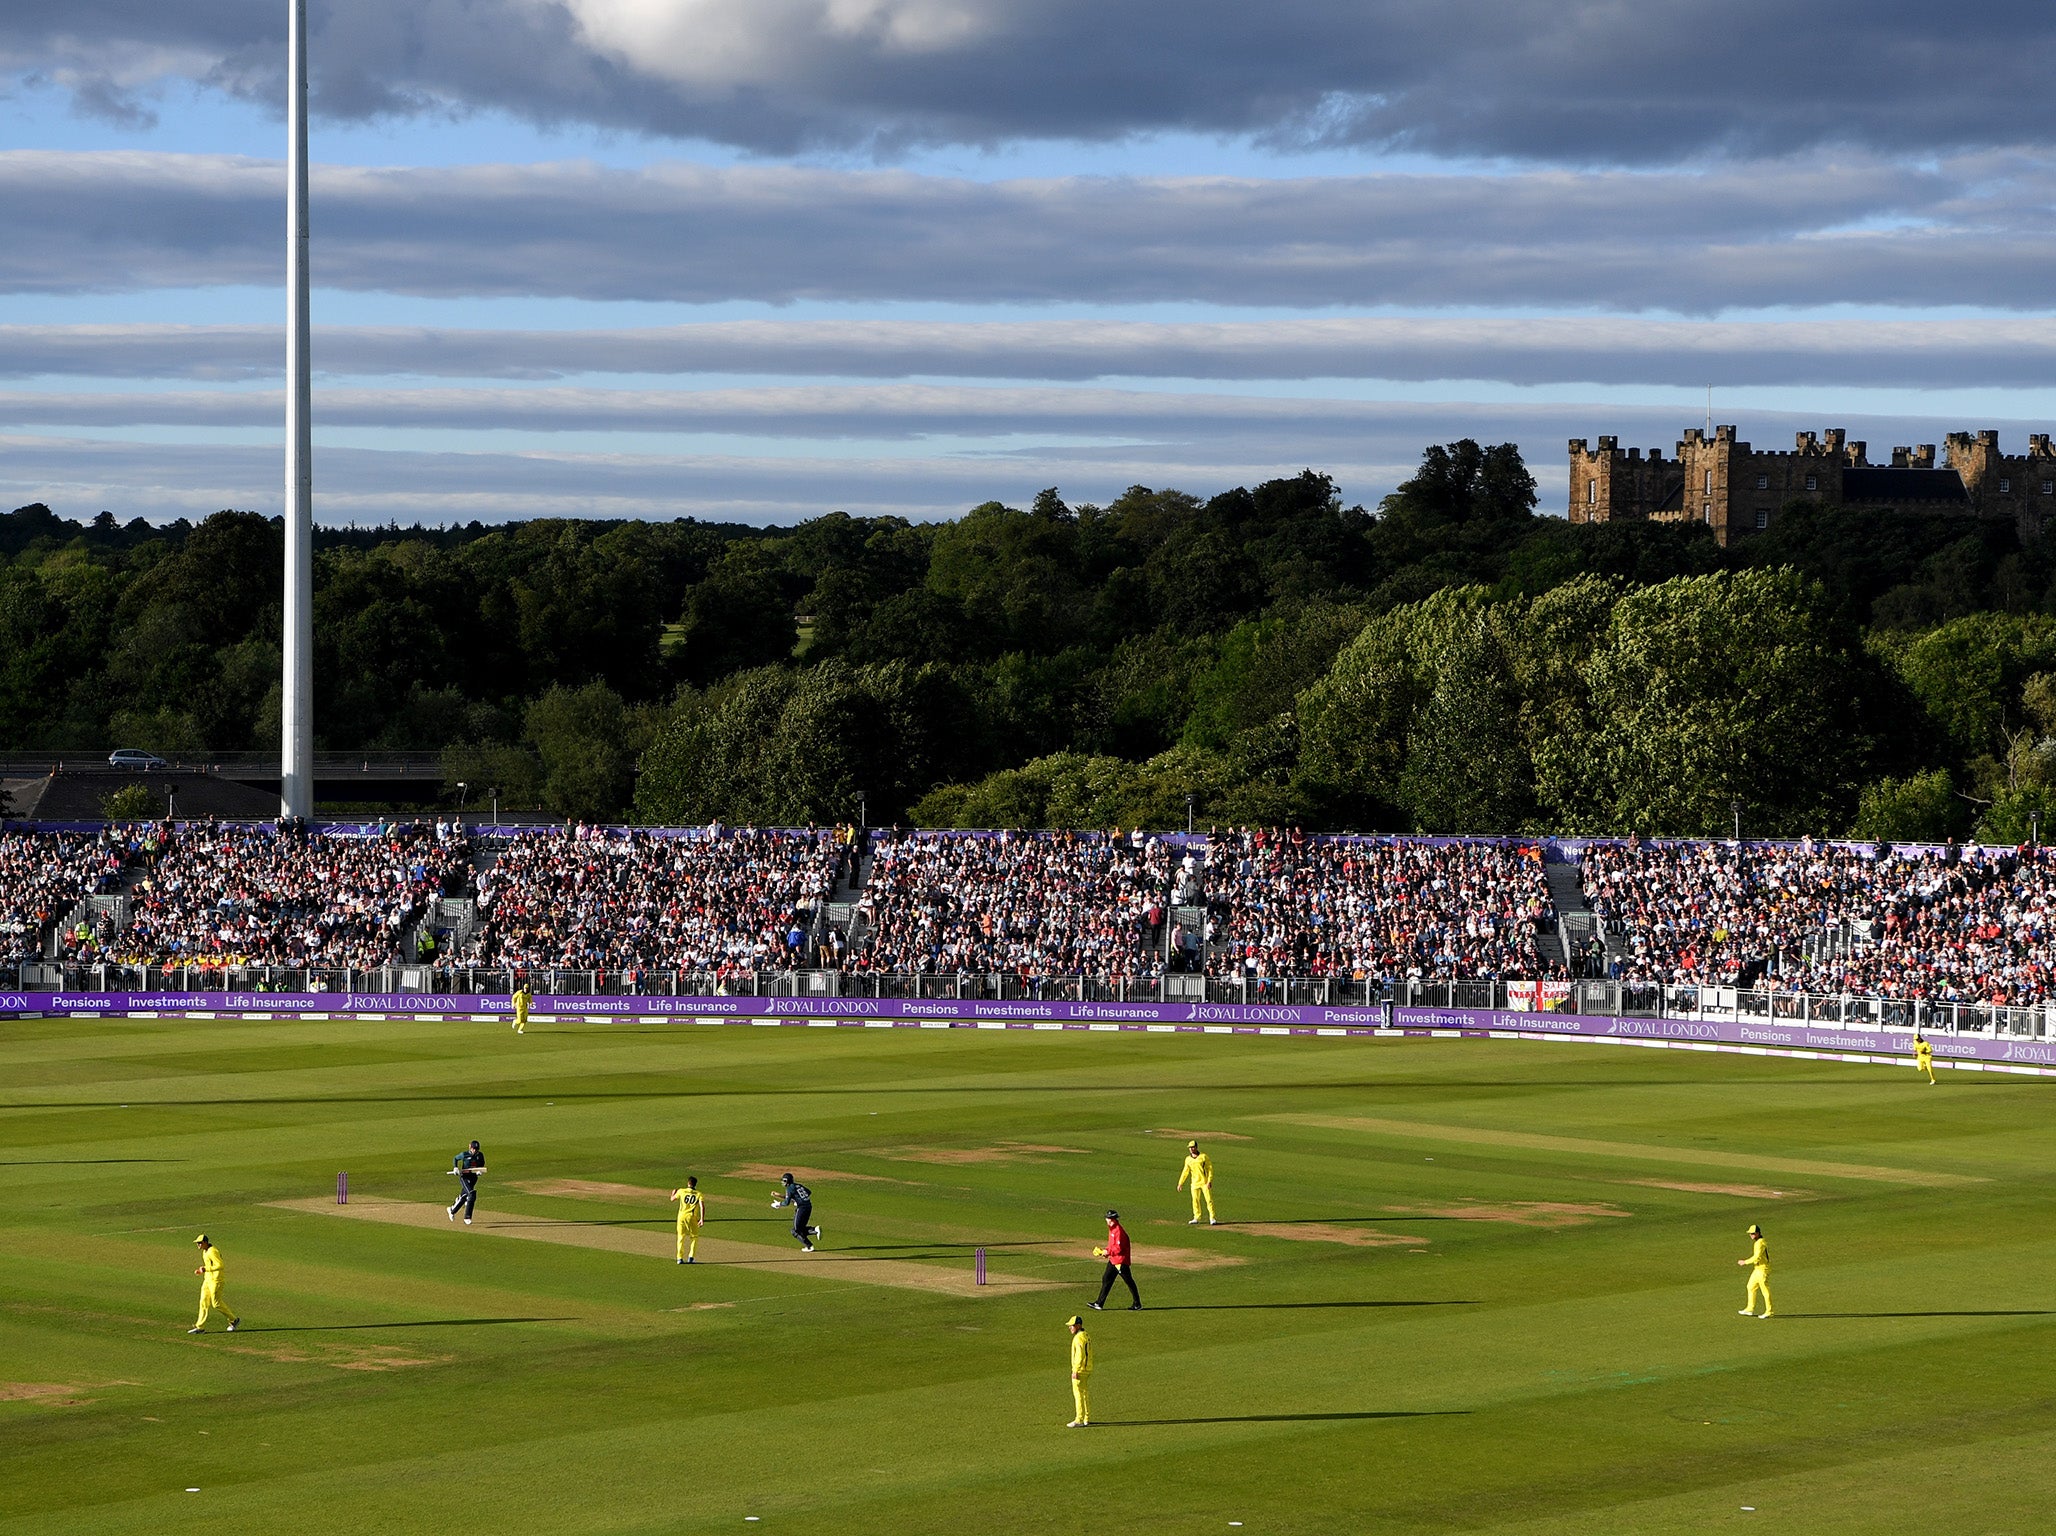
(1721, 481)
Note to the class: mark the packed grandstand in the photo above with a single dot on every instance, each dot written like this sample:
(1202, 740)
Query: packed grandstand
(1254, 910)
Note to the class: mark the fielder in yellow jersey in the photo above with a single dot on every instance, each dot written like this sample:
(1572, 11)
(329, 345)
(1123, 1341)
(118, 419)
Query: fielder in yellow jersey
(1200, 1169)
(521, 1000)
(1924, 1058)
(210, 1287)
(1758, 1264)
(1081, 1374)
(692, 1210)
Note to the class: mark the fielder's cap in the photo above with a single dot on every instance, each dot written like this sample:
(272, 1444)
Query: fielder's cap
(201, 1238)
(1074, 1321)
(1755, 1230)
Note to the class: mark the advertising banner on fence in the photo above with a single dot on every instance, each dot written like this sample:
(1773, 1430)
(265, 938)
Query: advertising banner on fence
(2020, 1053)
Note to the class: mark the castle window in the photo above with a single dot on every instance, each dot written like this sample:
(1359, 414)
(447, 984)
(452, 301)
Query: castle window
(1591, 493)
(1709, 482)
(2005, 487)
(1763, 517)
(1812, 483)
(1763, 482)
(1707, 511)
(2049, 487)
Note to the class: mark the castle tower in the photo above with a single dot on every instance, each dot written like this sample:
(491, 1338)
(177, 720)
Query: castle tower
(1710, 469)
(1608, 482)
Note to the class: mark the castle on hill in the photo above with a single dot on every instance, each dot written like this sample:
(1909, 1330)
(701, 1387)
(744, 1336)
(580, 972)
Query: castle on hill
(1737, 490)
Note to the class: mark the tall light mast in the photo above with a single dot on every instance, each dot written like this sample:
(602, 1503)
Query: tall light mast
(296, 745)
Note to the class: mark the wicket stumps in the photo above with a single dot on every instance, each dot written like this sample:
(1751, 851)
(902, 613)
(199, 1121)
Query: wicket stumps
(342, 1189)
(981, 1266)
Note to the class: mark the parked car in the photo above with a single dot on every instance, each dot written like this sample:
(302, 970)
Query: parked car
(135, 758)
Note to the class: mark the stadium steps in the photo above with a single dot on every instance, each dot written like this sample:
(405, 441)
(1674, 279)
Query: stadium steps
(851, 886)
(840, 910)
(1574, 920)
(89, 910)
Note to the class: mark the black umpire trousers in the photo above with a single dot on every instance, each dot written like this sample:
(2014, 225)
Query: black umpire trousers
(1106, 1283)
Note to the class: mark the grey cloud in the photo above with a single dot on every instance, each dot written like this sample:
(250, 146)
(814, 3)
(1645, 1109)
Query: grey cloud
(1777, 233)
(2016, 352)
(1583, 81)
(1205, 452)
(101, 98)
(878, 412)
(1241, 425)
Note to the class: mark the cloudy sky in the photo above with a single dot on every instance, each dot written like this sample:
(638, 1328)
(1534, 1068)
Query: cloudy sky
(759, 259)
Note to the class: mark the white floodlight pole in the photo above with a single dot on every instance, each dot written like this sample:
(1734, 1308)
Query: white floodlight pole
(296, 746)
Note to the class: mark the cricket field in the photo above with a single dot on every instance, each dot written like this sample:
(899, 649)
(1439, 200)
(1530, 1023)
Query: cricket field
(1459, 1286)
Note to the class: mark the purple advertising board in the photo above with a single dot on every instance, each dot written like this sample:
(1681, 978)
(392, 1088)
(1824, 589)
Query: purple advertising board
(1753, 1036)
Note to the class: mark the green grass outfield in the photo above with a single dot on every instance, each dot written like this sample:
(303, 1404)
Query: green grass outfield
(1494, 1289)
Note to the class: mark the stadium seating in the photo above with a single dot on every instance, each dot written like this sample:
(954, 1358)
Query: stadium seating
(42, 877)
(1390, 908)
(1059, 904)
(1946, 925)
(706, 902)
(1231, 915)
(222, 896)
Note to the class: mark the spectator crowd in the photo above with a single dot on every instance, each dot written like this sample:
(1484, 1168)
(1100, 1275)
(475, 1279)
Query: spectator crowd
(42, 877)
(1946, 925)
(713, 901)
(1384, 909)
(216, 897)
(1249, 905)
(1056, 904)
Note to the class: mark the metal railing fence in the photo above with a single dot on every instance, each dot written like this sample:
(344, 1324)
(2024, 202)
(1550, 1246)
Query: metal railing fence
(1594, 998)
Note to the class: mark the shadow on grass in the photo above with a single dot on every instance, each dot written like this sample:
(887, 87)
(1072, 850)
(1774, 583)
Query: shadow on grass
(1295, 1306)
(870, 1091)
(666, 1222)
(1286, 1418)
(587, 1221)
(1997, 1312)
(436, 1322)
(947, 1250)
(1337, 1221)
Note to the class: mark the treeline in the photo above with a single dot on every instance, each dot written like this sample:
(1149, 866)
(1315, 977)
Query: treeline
(1451, 661)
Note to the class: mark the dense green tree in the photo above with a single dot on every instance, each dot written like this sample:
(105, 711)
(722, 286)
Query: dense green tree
(1732, 689)
(1562, 630)
(587, 744)
(1357, 723)
(797, 745)
(1467, 764)
(1460, 512)
(1921, 808)
(1453, 661)
(734, 620)
(1968, 674)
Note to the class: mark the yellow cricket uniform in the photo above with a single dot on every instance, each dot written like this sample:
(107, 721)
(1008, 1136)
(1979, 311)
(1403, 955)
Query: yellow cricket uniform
(1200, 1169)
(1924, 1059)
(1759, 1277)
(692, 1210)
(521, 1002)
(210, 1287)
(1081, 1375)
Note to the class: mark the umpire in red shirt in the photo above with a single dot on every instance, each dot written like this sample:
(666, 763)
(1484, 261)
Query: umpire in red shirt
(1116, 1252)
